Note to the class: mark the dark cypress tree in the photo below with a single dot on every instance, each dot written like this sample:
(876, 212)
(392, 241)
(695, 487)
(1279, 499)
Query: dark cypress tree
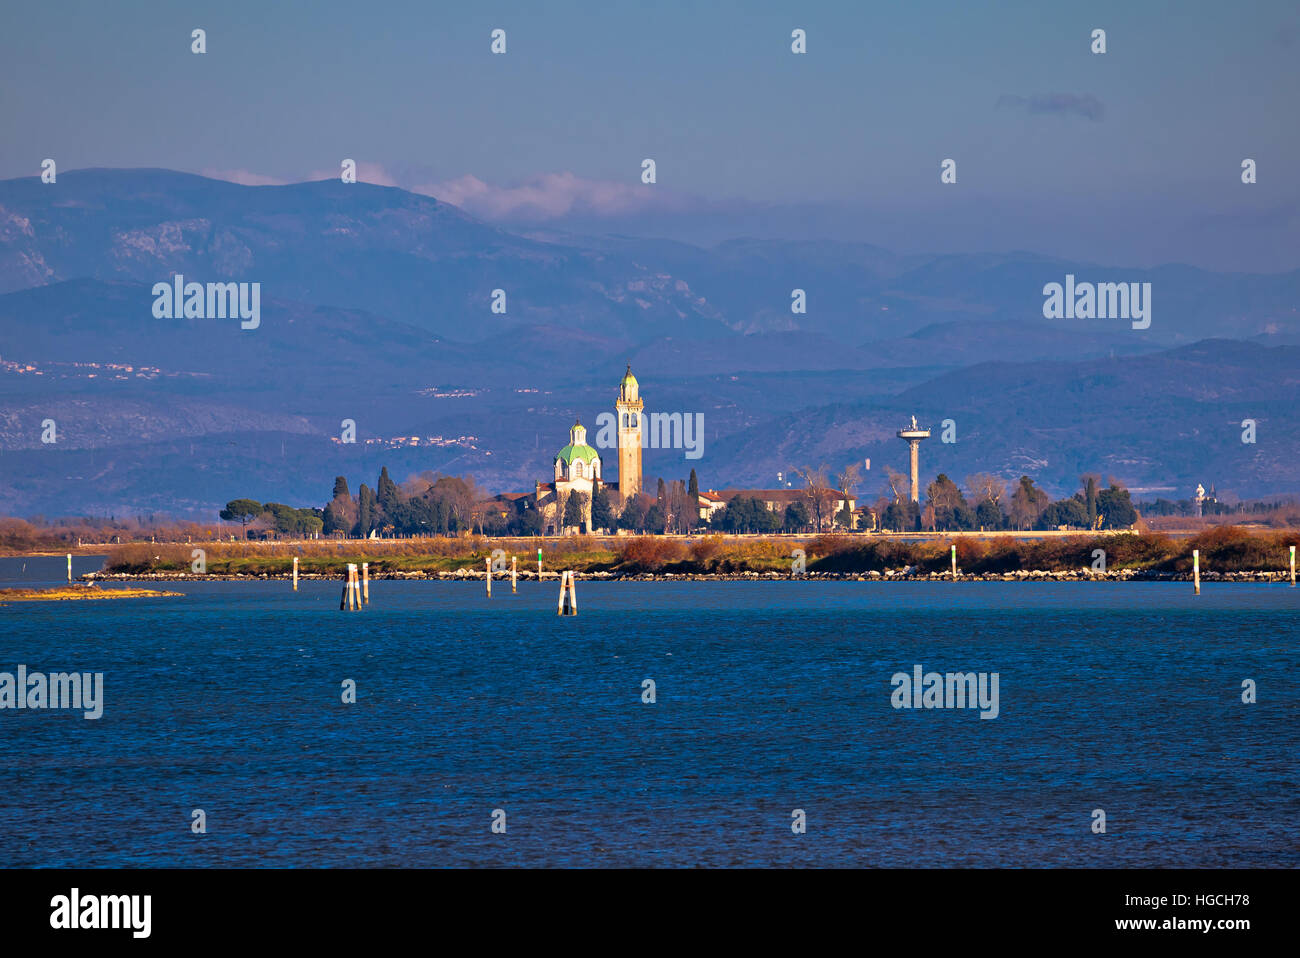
(386, 494)
(693, 488)
(1090, 499)
(338, 511)
(439, 517)
(574, 507)
(602, 515)
(366, 511)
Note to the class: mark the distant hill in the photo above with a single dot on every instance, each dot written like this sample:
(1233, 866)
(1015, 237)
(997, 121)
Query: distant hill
(1166, 419)
(428, 264)
(375, 309)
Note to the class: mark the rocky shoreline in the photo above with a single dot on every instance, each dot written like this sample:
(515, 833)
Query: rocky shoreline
(890, 575)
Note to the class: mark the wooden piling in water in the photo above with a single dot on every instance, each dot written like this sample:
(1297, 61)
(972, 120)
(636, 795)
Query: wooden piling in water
(539, 565)
(69, 568)
(354, 588)
(1293, 567)
(488, 562)
(345, 599)
(365, 582)
(1196, 570)
(295, 573)
(568, 602)
(514, 576)
(954, 563)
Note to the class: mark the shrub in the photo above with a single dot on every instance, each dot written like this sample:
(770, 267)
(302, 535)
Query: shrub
(651, 554)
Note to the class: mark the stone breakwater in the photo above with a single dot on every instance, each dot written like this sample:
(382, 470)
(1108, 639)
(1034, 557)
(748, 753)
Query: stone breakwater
(889, 575)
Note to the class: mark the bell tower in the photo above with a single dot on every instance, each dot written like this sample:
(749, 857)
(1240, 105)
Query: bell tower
(631, 422)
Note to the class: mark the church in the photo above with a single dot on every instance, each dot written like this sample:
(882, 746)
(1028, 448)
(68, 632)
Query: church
(577, 467)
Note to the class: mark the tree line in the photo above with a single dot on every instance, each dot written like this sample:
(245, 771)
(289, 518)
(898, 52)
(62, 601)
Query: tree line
(992, 506)
(436, 504)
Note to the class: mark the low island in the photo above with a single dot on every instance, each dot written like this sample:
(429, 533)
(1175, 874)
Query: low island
(73, 593)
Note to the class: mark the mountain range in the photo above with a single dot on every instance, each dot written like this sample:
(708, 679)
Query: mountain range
(376, 307)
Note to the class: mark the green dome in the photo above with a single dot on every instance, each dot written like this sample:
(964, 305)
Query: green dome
(583, 452)
(577, 447)
(628, 379)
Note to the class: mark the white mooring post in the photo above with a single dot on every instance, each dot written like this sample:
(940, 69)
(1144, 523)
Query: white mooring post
(954, 563)
(539, 565)
(345, 600)
(69, 568)
(568, 594)
(488, 564)
(365, 582)
(295, 573)
(1196, 570)
(1293, 567)
(514, 576)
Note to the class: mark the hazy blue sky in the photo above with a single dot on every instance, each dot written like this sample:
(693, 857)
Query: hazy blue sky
(1131, 157)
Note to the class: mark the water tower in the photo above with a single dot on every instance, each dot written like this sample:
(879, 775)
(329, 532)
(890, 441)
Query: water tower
(913, 437)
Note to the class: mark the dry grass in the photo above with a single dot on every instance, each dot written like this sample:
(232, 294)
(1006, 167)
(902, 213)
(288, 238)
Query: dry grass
(1223, 549)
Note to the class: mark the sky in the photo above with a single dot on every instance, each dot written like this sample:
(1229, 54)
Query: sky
(1131, 157)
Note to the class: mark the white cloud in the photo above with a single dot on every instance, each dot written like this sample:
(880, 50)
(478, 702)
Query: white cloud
(242, 177)
(546, 196)
(537, 198)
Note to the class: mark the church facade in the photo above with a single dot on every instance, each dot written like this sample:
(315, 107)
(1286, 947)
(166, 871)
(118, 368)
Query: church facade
(577, 468)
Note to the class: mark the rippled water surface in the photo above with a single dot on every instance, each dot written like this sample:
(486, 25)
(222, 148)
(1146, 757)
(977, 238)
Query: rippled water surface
(771, 696)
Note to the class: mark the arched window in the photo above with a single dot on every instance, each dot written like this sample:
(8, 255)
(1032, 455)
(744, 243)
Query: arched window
(624, 420)
(633, 422)
(577, 469)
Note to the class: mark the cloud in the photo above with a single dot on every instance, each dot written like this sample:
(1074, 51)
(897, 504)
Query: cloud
(242, 177)
(547, 196)
(538, 198)
(1063, 104)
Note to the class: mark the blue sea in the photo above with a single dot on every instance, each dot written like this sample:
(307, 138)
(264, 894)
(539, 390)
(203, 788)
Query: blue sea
(769, 697)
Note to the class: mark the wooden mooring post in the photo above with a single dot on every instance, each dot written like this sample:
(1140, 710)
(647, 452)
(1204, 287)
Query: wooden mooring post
(346, 600)
(568, 603)
(1293, 567)
(365, 582)
(69, 568)
(514, 576)
(295, 573)
(488, 563)
(1196, 570)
